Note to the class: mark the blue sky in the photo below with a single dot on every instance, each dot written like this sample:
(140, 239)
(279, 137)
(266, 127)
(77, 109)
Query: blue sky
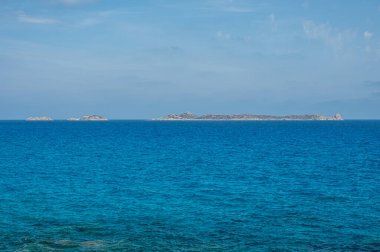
(146, 58)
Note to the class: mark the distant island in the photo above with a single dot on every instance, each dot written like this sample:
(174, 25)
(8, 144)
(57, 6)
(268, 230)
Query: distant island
(250, 117)
(82, 118)
(42, 118)
(88, 118)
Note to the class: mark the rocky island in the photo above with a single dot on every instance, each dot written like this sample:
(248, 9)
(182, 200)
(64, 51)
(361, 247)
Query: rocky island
(250, 117)
(42, 118)
(88, 118)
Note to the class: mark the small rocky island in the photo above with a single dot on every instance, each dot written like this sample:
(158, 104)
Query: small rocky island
(250, 117)
(88, 118)
(42, 118)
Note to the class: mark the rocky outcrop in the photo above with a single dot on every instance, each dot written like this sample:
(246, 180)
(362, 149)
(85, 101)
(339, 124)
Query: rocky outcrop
(42, 118)
(338, 117)
(250, 117)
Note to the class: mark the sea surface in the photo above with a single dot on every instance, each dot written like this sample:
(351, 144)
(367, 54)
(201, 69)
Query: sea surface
(190, 186)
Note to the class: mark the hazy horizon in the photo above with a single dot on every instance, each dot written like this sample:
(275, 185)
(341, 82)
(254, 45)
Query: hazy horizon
(158, 116)
(142, 59)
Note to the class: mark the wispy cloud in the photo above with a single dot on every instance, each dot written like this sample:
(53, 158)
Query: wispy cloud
(367, 35)
(22, 17)
(89, 22)
(223, 35)
(273, 21)
(325, 33)
(98, 17)
(320, 31)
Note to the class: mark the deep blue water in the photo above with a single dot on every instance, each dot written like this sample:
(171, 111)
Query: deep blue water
(190, 186)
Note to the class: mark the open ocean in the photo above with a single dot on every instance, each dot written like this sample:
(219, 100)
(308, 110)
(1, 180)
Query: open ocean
(190, 186)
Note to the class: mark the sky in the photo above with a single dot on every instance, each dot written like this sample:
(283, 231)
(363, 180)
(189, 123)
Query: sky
(136, 59)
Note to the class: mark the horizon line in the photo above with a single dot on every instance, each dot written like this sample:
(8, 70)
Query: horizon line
(154, 119)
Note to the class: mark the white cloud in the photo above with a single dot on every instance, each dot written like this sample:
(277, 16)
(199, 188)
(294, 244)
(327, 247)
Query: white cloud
(22, 17)
(367, 35)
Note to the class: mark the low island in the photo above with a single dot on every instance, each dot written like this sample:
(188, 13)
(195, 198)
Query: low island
(249, 117)
(88, 118)
(42, 118)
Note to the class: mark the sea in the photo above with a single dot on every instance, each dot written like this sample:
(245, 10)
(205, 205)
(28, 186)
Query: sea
(190, 186)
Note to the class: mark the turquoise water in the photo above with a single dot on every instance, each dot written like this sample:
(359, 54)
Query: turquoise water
(190, 186)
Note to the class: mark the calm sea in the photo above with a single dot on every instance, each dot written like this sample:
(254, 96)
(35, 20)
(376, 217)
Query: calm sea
(190, 186)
